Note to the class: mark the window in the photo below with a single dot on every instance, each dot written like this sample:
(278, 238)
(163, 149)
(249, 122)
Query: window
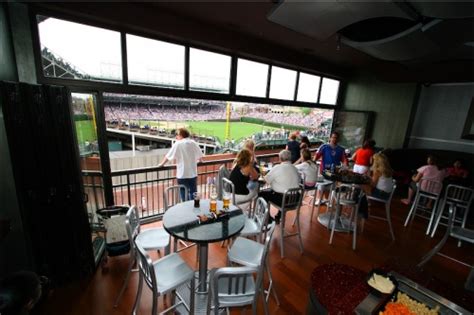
(77, 51)
(155, 62)
(329, 91)
(251, 78)
(308, 88)
(282, 85)
(209, 71)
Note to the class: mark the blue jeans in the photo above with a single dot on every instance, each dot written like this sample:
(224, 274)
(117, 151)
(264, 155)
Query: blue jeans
(190, 184)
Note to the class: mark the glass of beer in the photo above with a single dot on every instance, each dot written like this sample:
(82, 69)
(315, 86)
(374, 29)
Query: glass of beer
(226, 200)
(197, 198)
(213, 205)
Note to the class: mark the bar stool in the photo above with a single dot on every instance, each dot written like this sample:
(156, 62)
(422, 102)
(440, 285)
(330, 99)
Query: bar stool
(347, 195)
(459, 233)
(387, 203)
(430, 190)
(321, 187)
(458, 196)
(291, 201)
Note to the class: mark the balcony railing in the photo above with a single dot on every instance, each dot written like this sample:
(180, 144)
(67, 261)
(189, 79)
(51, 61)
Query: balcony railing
(144, 187)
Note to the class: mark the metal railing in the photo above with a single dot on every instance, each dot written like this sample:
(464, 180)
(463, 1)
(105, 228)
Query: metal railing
(144, 187)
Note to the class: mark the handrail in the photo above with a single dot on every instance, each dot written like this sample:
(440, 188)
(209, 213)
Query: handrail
(144, 186)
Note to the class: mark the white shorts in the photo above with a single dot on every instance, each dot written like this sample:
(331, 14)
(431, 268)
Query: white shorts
(360, 169)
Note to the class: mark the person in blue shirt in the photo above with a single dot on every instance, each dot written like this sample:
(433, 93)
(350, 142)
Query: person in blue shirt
(331, 154)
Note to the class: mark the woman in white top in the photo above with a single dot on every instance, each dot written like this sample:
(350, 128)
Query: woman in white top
(308, 168)
(381, 184)
(382, 181)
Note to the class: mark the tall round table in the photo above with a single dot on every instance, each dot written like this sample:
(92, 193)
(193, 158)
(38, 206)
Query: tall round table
(181, 221)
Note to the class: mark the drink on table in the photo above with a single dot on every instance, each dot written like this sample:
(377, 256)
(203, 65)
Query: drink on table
(213, 201)
(213, 205)
(226, 200)
(197, 198)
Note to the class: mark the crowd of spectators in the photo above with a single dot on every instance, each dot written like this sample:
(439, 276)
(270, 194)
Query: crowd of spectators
(212, 112)
(163, 113)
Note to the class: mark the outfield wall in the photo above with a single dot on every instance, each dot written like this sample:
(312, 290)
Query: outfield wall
(263, 122)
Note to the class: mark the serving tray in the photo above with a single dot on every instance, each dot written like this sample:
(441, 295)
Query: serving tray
(374, 302)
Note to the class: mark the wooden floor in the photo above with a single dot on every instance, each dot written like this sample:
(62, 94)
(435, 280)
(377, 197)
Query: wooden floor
(291, 274)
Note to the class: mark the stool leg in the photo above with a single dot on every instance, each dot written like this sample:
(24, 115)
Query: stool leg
(354, 235)
(299, 228)
(282, 233)
(432, 217)
(336, 217)
(412, 212)
(270, 284)
(389, 219)
(438, 217)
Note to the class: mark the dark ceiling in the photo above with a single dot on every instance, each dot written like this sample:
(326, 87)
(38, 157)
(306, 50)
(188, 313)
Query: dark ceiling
(410, 41)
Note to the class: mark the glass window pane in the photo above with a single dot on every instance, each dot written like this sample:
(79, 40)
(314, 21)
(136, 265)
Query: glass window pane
(155, 62)
(329, 91)
(308, 88)
(209, 71)
(251, 78)
(282, 85)
(77, 51)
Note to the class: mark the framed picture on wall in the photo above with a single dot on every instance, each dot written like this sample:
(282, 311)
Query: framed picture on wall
(468, 130)
(354, 127)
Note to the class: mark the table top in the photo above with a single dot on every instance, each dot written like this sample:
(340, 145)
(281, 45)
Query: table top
(347, 177)
(182, 221)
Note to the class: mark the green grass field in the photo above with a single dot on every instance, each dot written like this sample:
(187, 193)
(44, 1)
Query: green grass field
(85, 131)
(238, 130)
(217, 129)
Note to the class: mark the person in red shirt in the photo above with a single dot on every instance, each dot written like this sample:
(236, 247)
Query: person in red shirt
(363, 157)
(457, 171)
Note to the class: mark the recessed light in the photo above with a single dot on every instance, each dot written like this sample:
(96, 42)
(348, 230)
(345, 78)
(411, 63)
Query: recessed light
(470, 44)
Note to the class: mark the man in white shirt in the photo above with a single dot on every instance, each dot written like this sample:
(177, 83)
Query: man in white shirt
(187, 154)
(282, 177)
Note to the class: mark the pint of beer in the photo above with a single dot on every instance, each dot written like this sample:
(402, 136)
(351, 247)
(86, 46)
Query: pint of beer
(213, 205)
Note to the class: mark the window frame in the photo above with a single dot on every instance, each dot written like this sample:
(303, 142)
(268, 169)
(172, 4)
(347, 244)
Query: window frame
(125, 87)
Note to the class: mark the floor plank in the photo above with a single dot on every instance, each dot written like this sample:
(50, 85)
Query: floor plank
(96, 294)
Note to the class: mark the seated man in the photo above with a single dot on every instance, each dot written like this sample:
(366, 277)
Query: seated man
(282, 177)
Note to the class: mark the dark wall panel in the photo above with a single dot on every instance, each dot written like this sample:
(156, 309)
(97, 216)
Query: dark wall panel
(391, 103)
(440, 117)
(47, 176)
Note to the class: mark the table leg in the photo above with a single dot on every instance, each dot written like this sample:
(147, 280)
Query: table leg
(203, 248)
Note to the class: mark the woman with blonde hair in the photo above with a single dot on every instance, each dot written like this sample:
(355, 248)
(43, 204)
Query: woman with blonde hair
(242, 173)
(381, 179)
(309, 168)
(249, 144)
(381, 183)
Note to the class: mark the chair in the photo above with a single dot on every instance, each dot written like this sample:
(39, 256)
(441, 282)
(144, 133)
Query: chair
(320, 188)
(387, 203)
(258, 218)
(251, 253)
(222, 173)
(347, 195)
(460, 197)
(459, 233)
(235, 287)
(150, 239)
(162, 277)
(291, 201)
(427, 189)
(171, 197)
(228, 187)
